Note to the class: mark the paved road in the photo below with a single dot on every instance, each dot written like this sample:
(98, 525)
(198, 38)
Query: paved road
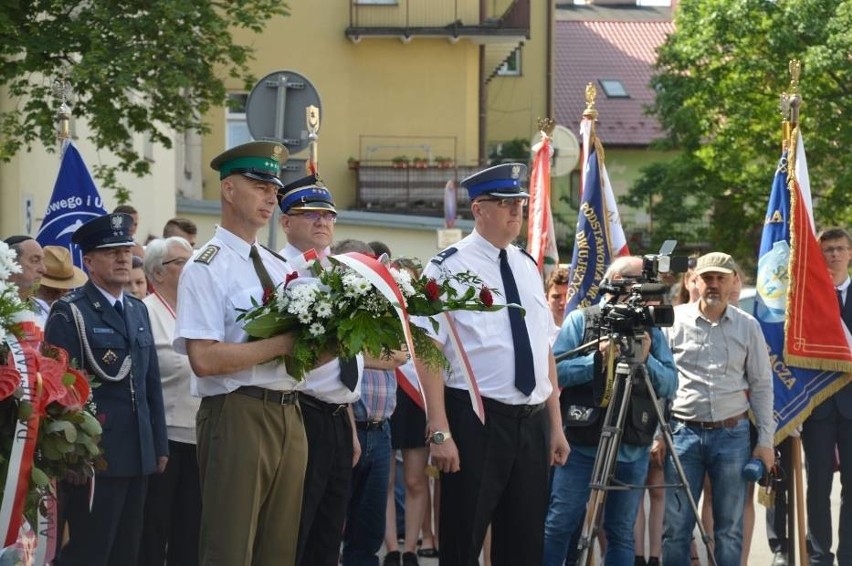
(760, 554)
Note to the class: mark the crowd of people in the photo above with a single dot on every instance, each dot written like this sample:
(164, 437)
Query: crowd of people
(217, 456)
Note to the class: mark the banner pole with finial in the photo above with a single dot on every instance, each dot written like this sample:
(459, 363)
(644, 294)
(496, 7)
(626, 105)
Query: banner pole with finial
(794, 100)
(590, 114)
(312, 120)
(62, 90)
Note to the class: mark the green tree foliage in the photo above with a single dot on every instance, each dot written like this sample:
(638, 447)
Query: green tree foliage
(718, 81)
(150, 66)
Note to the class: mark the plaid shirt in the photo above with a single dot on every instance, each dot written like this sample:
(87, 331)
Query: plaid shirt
(378, 396)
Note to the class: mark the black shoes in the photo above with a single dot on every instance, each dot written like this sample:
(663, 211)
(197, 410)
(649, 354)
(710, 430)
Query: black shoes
(394, 558)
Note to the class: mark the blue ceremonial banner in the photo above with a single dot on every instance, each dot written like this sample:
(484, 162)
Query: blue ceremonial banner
(75, 201)
(591, 243)
(797, 390)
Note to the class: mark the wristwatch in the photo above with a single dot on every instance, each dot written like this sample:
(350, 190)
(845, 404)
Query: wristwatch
(438, 437)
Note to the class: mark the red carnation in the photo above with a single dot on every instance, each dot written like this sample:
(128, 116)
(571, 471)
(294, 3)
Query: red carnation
(268, 295)
(432, 290)
(290, 277)
(486, 297)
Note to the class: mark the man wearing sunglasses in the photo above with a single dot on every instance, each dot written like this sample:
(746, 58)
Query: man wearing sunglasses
(495, 472)
(307, 218)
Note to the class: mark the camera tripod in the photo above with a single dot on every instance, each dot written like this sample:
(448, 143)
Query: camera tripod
(628, 369)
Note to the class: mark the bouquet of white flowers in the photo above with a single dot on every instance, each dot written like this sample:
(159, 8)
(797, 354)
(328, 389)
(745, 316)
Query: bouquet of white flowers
(342, 312)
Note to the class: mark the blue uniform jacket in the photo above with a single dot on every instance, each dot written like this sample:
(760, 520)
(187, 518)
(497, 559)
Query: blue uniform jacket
(133, 437)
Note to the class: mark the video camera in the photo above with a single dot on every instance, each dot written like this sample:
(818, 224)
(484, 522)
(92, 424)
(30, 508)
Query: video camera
(633, 315)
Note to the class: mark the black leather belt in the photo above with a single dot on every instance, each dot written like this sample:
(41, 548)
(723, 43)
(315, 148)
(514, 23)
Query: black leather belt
(515, 411)
(370, 425)
(713, 425)
(314, 403)
(268, 395)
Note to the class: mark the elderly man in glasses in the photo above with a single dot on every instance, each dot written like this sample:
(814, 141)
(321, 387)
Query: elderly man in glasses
(307, 218)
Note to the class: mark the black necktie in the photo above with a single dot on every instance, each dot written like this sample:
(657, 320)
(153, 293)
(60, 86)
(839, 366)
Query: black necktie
(524, 369)
(119, 308)
(260, 269)
(349, 372)
(840, 299)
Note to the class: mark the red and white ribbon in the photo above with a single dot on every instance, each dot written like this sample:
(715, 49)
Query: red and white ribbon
(406, 378)
(466, 370)
(378, 275)
(47, 525)
(23, 445)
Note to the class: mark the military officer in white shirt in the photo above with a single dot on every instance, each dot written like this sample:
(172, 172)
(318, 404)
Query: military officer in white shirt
(251, 441)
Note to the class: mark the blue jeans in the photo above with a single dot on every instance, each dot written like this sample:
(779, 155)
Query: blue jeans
(365, 519)
(568, 498)
(721, 454)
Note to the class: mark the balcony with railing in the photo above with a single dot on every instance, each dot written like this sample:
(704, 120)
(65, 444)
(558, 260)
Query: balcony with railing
(502, 26)
(416, 188)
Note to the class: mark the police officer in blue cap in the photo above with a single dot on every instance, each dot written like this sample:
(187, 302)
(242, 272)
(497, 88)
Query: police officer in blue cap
(252, 449)
(496, 473)
(108, 332)
(307, 218)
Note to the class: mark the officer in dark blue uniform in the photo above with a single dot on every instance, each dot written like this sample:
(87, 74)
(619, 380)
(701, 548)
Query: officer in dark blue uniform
(108, 333)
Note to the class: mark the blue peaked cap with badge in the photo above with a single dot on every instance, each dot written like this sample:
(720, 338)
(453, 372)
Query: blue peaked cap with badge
(109, 231)
(307, 193)
(501, 181)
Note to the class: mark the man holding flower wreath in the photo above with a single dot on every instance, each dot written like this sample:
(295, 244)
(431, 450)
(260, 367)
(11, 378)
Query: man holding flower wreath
(252, 449)
(307, 218)
(495, 472)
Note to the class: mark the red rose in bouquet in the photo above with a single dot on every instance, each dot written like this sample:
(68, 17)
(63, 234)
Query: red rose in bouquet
(486, 296)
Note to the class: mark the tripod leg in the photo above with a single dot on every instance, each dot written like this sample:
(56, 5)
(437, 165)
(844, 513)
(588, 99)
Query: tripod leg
(667, 436)
(605, 461)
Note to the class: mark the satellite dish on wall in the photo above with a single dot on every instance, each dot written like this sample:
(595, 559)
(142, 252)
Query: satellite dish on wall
(566, 150)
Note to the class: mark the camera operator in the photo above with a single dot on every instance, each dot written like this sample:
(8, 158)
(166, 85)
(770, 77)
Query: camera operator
(723, 370)
(581, 376)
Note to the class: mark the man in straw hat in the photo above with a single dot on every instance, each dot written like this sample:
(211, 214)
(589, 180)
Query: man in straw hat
(60, 277)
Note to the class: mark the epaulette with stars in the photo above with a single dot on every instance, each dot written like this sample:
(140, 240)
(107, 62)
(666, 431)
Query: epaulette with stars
(207, 255)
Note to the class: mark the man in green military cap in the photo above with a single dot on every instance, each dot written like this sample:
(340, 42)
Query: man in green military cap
(252, 449)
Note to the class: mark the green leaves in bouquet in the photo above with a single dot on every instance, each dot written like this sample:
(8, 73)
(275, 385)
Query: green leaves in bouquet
(269, 326)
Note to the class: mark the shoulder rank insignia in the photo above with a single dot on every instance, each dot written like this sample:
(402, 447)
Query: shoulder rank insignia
(526, 253)
(439, 259)
(207, 255)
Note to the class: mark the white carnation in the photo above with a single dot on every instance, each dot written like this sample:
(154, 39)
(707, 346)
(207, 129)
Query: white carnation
(355, 285)
(8, 263)
(323, 309)
(403, 281)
